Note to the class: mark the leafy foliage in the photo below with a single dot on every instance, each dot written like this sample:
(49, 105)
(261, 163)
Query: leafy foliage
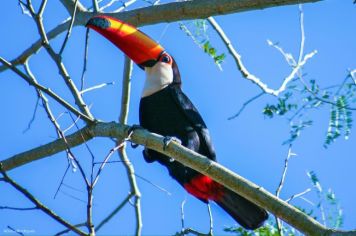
(327, 206)
(199, 34)
(281, 108)
(304, 98)
(269, 229)
(340, 121)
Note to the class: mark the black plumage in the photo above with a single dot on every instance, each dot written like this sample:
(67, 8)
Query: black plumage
(169, 112)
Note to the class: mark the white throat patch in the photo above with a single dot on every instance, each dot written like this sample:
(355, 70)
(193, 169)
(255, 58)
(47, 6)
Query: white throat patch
(157, 78)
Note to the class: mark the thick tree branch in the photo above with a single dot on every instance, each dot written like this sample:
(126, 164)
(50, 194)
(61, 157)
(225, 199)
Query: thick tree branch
(221, 174)
(170, 12)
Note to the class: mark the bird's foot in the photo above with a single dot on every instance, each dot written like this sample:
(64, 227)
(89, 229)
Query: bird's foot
(168, 139)
(130, 132)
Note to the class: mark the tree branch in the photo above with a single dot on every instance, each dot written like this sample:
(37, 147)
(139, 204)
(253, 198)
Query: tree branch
(38, 204)
(125, 105)
(194, 160)
(46, 91)
(244, 71)
(170, 12)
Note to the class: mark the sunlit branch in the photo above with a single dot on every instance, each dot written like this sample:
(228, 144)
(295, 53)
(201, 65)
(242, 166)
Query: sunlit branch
(96, 87)
(189, 158)
(170, 12)
(58, 61)
(281, 184)
(125, 104)
(95, 6)
(244, 71)
(298, 195)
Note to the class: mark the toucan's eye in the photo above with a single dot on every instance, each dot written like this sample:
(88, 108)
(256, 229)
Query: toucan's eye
(166, 59)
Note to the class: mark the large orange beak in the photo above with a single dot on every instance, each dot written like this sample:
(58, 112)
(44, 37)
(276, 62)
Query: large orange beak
(138, 46)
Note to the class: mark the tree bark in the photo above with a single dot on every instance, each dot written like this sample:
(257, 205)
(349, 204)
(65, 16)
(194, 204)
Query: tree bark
(219, 173)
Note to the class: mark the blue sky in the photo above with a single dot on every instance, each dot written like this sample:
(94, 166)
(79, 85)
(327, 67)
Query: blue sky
(251, 144)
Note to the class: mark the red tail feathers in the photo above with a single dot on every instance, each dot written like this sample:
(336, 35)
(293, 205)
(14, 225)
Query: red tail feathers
(204, 188)
(246, 213)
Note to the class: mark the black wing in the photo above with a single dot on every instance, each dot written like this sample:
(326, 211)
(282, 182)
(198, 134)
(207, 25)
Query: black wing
(192, 115)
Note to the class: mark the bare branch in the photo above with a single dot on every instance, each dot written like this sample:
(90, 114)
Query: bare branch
(246, 104)
(246, 74)
(70, 28)
(38, 204)
(47, 91)
(82, 79)
(298, 195)
(281, 184)
(170, 12)
(125, 5)
(68, 230)
(18, 208)
(15, 231)
(114, 212)
(96, 87)
(125, 102)
(189, 158)
(58, 61)
(153, 184)
(95, 6)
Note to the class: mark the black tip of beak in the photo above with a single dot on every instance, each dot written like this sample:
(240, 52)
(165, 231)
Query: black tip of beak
(98, 22)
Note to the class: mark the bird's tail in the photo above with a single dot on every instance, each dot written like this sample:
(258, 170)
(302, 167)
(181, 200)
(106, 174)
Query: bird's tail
(246, 213)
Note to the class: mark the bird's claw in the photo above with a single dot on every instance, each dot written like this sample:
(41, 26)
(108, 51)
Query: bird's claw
(129, 133)
(168, 139)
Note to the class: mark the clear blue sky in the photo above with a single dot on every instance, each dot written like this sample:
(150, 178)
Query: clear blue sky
(251, 145)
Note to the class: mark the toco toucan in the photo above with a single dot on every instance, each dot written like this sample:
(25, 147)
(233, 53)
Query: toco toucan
(166, 110)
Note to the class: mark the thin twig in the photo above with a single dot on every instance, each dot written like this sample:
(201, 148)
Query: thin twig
(62, 179)
(281, 184)
(106, 159)
(70, 29)
(211, 220)
(182, 213)
(114, 212)
(18, 208)
(244, 105)
(39, 205)
(49, 112)
(33, 116)
(85, 58)
(74, 197)
(49, 92)
(58, 61)
(68, 230)
(124, 6)
(96, 87)
(246, 74)
(15, 231)
(298, 195)
(153, 184)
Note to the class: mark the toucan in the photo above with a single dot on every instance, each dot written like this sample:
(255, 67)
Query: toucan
(166, 110)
